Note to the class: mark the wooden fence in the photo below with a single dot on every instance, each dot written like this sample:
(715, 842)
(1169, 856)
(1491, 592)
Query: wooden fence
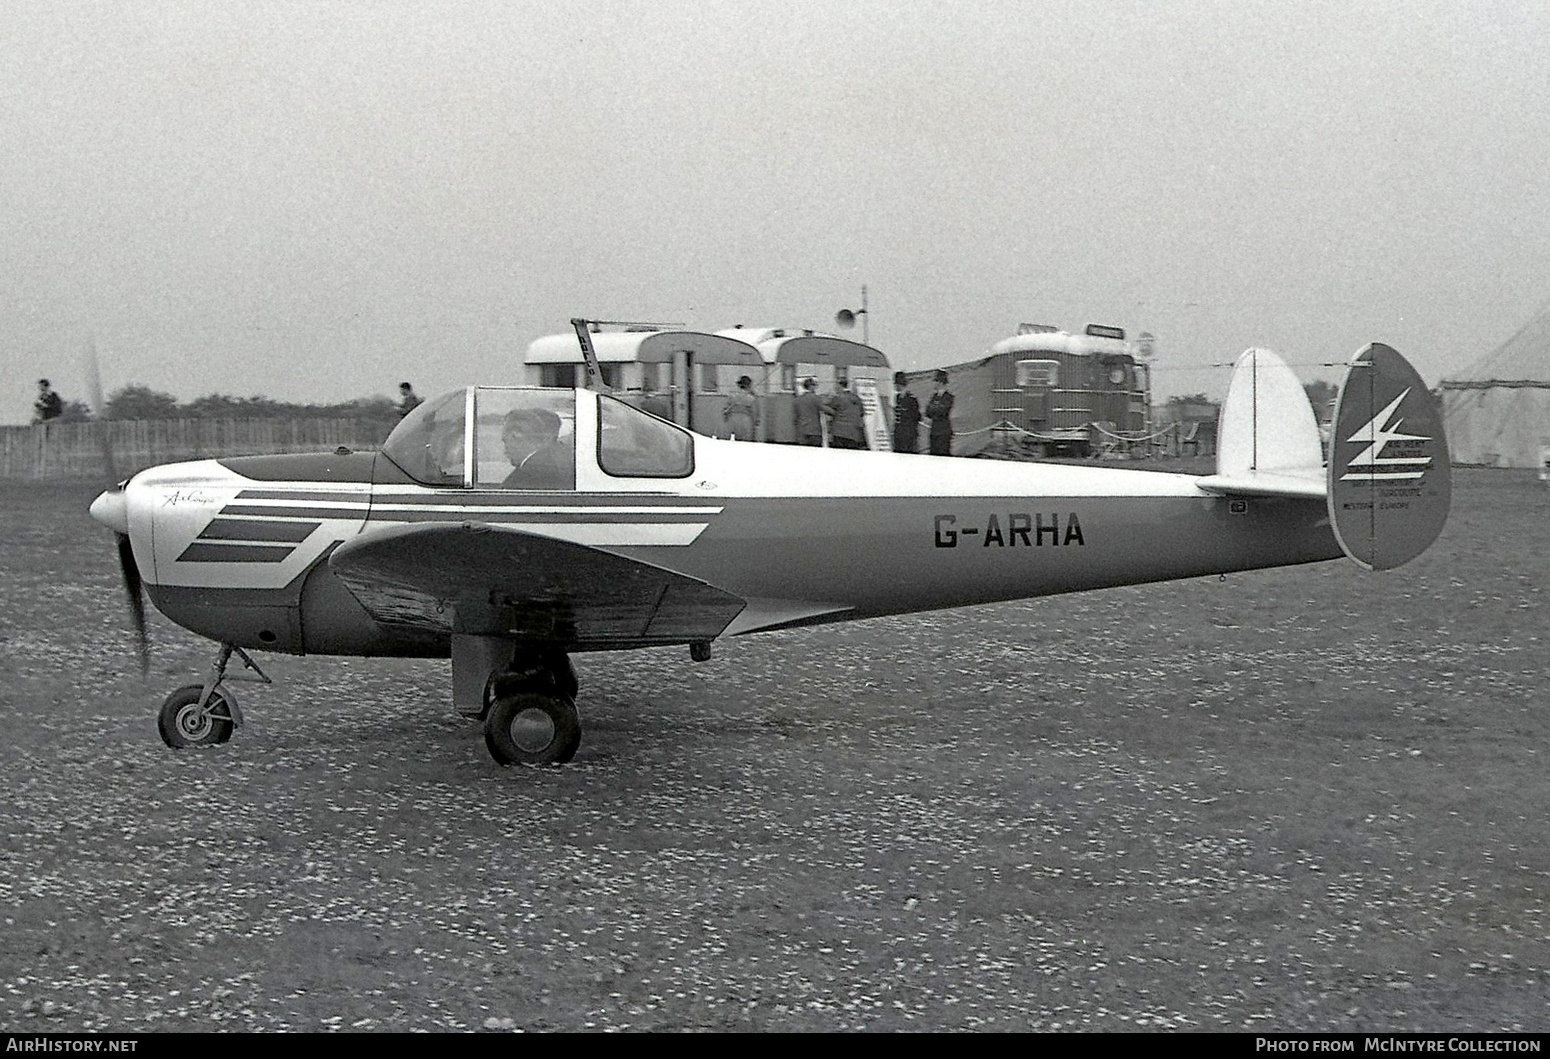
(76, 450)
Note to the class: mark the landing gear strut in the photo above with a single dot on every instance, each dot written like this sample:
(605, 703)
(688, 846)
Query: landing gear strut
(530, 712)
(206, 714)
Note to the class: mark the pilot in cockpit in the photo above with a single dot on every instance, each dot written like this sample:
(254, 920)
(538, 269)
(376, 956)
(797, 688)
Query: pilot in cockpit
(539, 459)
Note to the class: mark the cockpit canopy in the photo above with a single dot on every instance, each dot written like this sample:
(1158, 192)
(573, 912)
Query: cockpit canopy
(504, 437)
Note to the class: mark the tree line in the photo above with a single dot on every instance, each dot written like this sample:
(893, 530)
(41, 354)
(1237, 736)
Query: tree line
(1321, 395)
(142, 402)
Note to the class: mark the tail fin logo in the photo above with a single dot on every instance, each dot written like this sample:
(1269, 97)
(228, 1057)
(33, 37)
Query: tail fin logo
(1390, 455)
(1390, 499)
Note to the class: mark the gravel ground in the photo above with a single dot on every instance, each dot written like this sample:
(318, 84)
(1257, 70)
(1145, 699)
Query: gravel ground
(1307, 799)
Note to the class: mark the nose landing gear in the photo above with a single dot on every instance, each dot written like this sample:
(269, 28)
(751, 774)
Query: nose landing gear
(206, 714)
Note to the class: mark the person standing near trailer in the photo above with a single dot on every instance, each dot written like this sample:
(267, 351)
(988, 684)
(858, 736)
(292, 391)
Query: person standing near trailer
(809, 414)
(906, 415)
(847, 417)
(741, 414)
(940, 411)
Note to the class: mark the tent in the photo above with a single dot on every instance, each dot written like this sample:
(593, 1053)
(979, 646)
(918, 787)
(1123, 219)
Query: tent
(1497, 411)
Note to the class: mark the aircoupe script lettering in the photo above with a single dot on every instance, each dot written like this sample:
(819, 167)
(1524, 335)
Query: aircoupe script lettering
(1019, 529)
(187, 496)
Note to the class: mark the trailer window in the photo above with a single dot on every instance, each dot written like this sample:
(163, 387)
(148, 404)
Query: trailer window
(1038, 373)
(558, 375)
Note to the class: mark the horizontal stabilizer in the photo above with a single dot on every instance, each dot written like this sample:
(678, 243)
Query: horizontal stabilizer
(1266, 483)
(1390, 478)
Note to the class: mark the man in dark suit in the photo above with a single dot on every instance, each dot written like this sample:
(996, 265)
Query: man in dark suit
(906, 415)
(940, 411)
(847, 417)
(539, 460)
(809, 415)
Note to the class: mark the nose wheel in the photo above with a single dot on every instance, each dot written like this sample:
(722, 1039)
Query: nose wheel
(189, 717)
(206, 714)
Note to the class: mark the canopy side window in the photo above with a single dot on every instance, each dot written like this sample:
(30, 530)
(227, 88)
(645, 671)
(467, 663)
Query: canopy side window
(632, 444)
(429, 443)
(525, 439)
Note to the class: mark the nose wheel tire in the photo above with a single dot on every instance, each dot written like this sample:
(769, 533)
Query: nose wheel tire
(183, 723)
(532, 728)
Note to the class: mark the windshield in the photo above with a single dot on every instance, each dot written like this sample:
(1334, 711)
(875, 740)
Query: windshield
(428, 444)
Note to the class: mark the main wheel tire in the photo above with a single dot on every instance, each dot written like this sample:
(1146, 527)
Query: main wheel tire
(532, 728)
(183, 724)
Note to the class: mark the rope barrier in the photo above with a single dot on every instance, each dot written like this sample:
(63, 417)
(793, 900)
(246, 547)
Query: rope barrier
(1008, 427)
(1139, 436)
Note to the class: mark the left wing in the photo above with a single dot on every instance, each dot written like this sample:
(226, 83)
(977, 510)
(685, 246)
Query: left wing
(484, 580)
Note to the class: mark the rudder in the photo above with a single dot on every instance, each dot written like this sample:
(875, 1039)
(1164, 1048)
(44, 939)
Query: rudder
(1390, 479)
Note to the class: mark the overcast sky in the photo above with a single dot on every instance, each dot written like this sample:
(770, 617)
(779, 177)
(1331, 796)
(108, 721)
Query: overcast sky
(315, 200)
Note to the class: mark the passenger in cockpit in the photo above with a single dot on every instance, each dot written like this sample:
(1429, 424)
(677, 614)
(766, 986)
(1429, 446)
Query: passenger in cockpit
(539, 459)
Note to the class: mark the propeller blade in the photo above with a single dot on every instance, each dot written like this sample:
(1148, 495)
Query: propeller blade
(132, 588)
(99, 408)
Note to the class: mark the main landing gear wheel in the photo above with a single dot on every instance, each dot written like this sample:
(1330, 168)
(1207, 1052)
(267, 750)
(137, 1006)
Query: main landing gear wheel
(183, 723)
(530, 727)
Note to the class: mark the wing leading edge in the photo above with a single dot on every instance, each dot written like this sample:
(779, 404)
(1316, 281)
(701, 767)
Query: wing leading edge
(483, 580)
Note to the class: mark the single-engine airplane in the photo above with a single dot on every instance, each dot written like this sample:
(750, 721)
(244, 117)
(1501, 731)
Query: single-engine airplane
(510, 527)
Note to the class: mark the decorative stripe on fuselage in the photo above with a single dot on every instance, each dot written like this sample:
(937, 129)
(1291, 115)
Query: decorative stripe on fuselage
(272, 531)
(265, 525)
(216, 552)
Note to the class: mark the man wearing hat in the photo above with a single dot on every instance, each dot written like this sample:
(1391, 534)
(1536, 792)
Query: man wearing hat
(906, 415)
(847, 417)
(809, 414)
(940, 411)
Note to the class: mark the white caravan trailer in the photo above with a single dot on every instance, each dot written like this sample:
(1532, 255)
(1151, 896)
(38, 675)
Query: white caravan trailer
(679, 375)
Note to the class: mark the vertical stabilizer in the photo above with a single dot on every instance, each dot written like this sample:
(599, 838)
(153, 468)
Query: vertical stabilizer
(1267, 424)
(1390, 481)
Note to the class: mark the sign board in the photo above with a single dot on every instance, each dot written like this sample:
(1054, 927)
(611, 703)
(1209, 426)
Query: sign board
(877, 425)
